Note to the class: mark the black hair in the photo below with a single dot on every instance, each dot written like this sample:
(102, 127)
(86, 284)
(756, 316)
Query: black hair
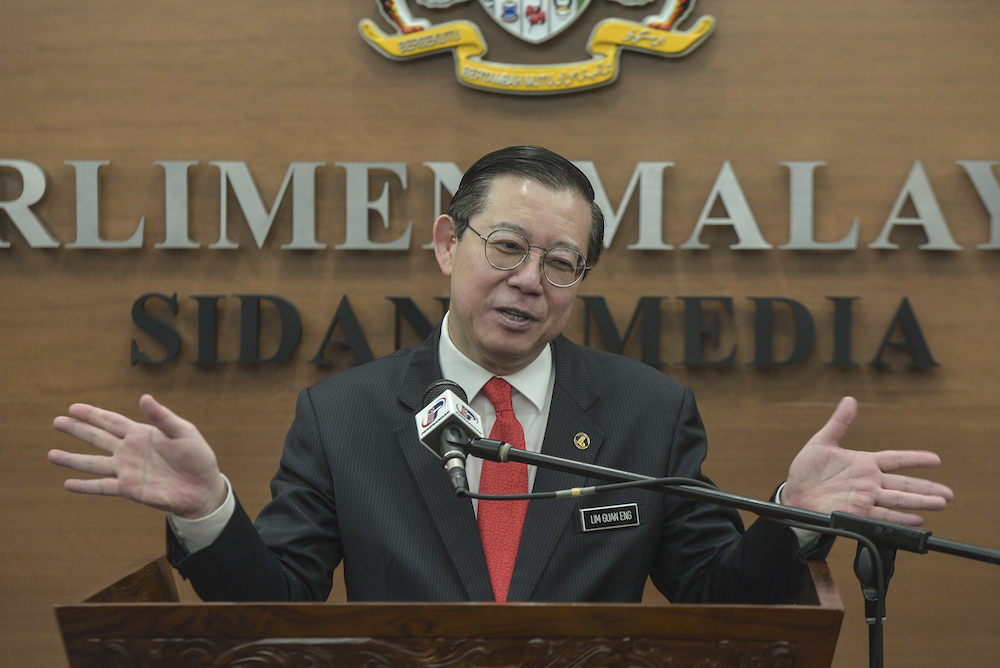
(531, 162)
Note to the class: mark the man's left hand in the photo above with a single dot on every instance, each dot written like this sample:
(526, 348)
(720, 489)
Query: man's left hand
(825, 477)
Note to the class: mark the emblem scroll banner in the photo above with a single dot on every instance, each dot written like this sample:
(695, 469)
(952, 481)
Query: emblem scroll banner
(606, 41)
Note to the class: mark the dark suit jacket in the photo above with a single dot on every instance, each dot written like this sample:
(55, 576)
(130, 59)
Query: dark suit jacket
(354, 483)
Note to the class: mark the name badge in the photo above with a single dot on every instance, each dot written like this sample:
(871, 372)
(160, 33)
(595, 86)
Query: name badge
(610, 517)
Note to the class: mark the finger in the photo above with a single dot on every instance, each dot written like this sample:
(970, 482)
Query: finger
(93, 464)
(897, 460)
(86, 432)
(903, 483)
(887, 515)
(163, 418)
(893, 500)
(100, 486)
(109, 421)
(836, 427)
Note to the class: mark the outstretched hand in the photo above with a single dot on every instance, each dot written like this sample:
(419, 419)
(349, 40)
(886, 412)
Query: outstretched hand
(825, 477)
(165, 464)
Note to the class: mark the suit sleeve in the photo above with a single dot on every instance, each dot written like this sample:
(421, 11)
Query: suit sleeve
(291, 551)
(705, 555)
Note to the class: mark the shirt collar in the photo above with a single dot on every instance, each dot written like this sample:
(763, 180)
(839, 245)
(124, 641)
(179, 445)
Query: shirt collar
(532, 381)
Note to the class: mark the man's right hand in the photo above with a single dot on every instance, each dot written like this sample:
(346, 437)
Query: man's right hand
(165, 464)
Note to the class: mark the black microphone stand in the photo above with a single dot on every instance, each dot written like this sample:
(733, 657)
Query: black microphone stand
(878, 541)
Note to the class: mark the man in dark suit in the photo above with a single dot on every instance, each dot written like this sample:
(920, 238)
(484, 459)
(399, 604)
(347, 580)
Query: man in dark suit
(355, 484)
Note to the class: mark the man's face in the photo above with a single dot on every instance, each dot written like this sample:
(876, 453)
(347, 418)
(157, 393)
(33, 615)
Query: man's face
(503, 319)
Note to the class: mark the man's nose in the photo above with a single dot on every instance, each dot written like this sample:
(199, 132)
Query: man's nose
(528, 276)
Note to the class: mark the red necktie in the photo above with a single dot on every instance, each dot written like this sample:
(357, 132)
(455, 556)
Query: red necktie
(500, 522)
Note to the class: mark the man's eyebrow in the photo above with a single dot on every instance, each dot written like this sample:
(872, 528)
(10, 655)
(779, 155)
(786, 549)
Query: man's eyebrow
(514, 227)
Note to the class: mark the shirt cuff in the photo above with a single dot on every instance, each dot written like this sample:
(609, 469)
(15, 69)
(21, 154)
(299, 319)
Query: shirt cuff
(202, 532)
(806, 538)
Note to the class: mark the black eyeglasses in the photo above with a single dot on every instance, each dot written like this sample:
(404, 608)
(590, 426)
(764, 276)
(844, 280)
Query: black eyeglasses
(507, 249)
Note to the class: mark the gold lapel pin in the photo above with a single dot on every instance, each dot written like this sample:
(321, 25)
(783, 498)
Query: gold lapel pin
(581, 441)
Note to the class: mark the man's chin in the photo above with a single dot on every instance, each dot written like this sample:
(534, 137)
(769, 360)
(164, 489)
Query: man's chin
(511, 358)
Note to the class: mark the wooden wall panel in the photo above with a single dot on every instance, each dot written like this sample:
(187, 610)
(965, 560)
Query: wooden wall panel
(867, 88)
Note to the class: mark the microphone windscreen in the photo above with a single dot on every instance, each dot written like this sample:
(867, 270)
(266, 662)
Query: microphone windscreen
(435, 389)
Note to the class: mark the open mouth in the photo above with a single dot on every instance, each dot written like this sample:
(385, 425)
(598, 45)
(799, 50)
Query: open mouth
(514, 315)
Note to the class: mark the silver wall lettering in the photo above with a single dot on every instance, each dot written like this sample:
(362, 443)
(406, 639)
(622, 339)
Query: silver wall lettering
(916, 205)
(649, 177)
(981, 173)
(739, 217)
(88, 234)
(301, 174)
(176, 203)
(917, 190)
(446, 175)
(26, 222)
(358, 206)
(801, 210)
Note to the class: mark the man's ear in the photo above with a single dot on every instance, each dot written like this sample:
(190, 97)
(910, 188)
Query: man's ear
(444, 242)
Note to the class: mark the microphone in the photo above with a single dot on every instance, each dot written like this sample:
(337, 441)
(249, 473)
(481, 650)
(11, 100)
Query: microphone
(445, 425)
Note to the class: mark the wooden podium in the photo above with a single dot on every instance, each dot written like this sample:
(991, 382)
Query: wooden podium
(138, 622)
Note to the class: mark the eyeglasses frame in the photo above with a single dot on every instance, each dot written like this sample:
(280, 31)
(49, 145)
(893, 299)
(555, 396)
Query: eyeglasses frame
(545, 252)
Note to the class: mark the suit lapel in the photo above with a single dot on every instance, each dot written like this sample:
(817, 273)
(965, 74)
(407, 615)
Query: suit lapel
(453, 517)
(546, 520)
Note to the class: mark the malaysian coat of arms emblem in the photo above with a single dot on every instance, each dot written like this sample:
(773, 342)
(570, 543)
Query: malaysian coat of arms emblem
(534, 22)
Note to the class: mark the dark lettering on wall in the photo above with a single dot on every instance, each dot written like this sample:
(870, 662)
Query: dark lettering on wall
(648, 310)
(290, 329)
(706, 321)
(408, 311)
(803, 331)
(913, 340)
(842, 331)
(156, 328)
(208, 330)
(697, 329)
(354, 337)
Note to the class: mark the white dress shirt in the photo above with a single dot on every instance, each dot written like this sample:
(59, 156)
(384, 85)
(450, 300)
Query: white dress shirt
(531, 397)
